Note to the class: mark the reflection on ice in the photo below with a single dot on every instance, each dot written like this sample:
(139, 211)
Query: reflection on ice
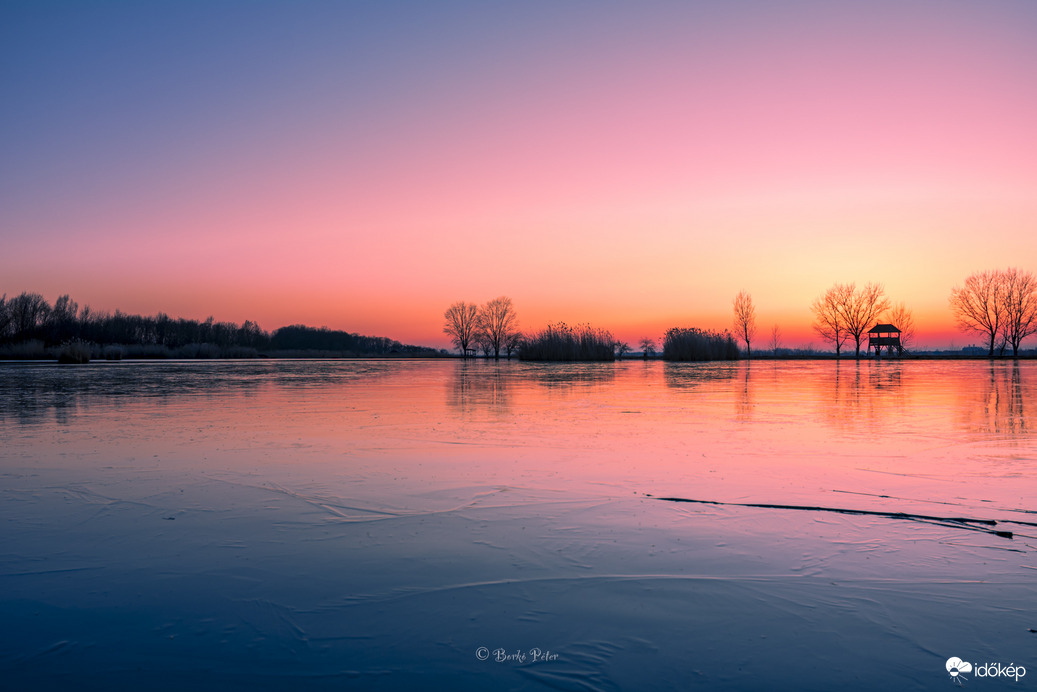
(690, 375)
(565, 375)
(868, 394)
(997, 405)
(479, 385)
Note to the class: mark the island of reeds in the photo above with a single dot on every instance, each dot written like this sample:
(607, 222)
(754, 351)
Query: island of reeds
(560, 342)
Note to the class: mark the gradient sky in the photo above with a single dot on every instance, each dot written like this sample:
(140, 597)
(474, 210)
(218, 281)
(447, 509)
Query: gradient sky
(362, 165)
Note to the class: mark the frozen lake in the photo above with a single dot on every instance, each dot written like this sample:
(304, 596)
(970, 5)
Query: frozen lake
(399, 525)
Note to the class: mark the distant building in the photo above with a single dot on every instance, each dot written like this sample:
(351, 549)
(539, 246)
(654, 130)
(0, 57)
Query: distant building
(884, 336)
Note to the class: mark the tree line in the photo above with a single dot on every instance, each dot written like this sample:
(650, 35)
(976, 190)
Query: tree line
(493, 327)
(29, 326)
(1000, 304)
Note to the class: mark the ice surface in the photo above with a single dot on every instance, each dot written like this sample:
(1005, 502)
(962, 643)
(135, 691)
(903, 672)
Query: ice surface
(373, 525)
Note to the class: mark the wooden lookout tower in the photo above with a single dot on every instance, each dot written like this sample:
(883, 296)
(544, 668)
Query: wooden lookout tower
(884, 335)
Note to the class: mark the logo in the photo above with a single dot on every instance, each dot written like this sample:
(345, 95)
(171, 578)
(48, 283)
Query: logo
(534, 655)
(956, 666)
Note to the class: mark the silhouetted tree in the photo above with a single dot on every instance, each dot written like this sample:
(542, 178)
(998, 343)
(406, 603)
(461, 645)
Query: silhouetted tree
(861, 309)
(65, 309)
(828, 317)
(902, 318)
(62, 323)
(251, 335)
(28, 312)
(647, 347)
(745, 320)
(979, 305)
(482, 342)
(775, 339)
(621, 348)
(512, 343)
(1020, 307)
(461, 324)
(5, 316)
(497, 320)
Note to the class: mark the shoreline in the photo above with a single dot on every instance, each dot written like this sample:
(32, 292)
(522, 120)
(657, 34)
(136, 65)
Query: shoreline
(482, 359)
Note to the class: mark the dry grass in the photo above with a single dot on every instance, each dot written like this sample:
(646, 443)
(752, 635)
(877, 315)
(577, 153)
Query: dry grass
(692, 344)
(560, 342)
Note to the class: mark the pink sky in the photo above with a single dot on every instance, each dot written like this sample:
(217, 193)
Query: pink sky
(632, 167)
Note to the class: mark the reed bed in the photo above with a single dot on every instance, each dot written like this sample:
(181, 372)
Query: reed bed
(693, 344)
(562, 343)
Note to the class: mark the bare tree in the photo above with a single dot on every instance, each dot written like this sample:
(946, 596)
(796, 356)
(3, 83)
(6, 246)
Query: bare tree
(775, 339)
(844, 312)
(28, 311)
(1020, 297)
(647, 346)
(512, 343)
(979, 305)
(861, 309)
(828, 317)
(461, 320)
(61, 322)
(65, 309)
(482, 342)
(903, 319)
(5, 315)
(497, 320)
(745, 320)
(250, 334)
(621, 348)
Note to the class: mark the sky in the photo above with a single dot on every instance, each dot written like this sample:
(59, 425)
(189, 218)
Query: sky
(363, 165)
